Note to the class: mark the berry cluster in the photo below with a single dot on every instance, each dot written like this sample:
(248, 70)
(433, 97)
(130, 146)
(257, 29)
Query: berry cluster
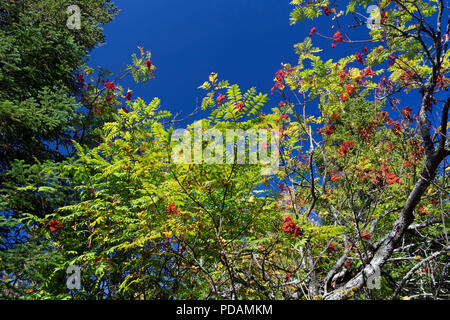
(171, 209)
(291, 227)
(220, 98)
(54, 225)
(345, 146)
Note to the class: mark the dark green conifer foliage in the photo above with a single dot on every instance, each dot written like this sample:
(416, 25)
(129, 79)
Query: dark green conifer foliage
(39, 56)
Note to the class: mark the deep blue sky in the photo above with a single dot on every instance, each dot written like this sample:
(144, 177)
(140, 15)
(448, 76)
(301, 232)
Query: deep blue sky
(243, 40)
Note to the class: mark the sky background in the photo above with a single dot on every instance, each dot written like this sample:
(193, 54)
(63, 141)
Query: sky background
(244, 41)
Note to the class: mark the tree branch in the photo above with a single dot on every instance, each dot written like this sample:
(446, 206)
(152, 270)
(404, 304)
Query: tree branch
(417, 266)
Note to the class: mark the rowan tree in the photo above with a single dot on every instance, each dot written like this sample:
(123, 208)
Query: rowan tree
(39, 111)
